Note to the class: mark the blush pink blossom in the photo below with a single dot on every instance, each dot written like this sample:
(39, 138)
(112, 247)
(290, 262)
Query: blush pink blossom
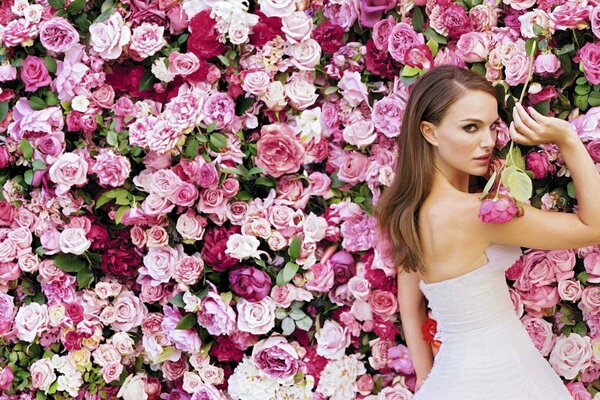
(58, 35)
(111, 169)
(498, 211)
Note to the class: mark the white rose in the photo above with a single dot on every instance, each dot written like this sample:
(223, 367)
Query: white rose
(306, 54)
(80, 103)
(274, 97)
(33, 13)
(297, 26)
(301, 93)
(108, 37)
(314, 227)
(241, 246)
(161, 71)
(133, 388)
(42, 374)
(74, 241)
(238, 33)
(277, 8)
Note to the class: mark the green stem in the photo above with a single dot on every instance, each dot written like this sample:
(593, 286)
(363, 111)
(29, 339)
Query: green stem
(530, 73)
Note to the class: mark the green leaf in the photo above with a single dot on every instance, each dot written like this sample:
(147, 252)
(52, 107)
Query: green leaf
(3, 110)
(188, 321)
(543, 107)
(265, 181)
(581, 102)
(594, 99)
(51, 99)
(287, 273)
(163, 355)
(571, 190)
(211, 127)
(305, 323)
(28, 176)
(192, 148)
(84, 278)
(36, 103)
(531, 46)
(177, 300)
(76, 7)
(38, 165)
(410, 71)
(518, 183)
(69, 262)
(583, 89)
(243, 104)
(515, 158)
(57, 4)
(433, 46)
(489, 184)
(566, 49)
(50, 63)
(288, 326)
(418, 19)
(146, 81)
(120, 212)
(26, 149)
(433, 35)
(330, 90)
(580, 328)
(218, 141)
(294, 249)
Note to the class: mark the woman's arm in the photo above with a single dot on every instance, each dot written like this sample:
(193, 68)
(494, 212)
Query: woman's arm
(413, 312)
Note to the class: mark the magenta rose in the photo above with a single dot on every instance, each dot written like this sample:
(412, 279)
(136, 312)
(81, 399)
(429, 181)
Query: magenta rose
(343, 265)
(121, 259)
(34, 73)
(215, 244)
(589, 55)
(278, 150)
(58, 35)
(276, 357)
(371, 11)
(593, 148)
(250, 283)
(226, 351)
(498, 211)
(215, 316)
(538, 163)
(401, 40)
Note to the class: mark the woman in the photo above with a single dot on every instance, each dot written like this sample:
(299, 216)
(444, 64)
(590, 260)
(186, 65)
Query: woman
(457, 261)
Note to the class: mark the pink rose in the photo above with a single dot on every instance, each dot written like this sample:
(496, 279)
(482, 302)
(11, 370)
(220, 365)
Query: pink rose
(570, 15)
(111, 169)
(320, 277)
(278, 150)
(69, 170)
(540, 298)
(400, 359)
(342, 12)
(371, 11)
(256, 82)
(474, 46)
(383, 304)
(387, 116)
(191, 226)
(159, 263)
(279, 9)
(593, 148)
(538, 271)
(540, 332)
(188, 270)
(31, 320)
(7, 73)
(570, 355)
(257, 318)
(42, 374)
(276, 357)
(353, 168)
(219, 108)
(183, 64)
(563, 262)
(516, 68)
(305, 55)
(360, 133)
(403, 38)
(395, 393)
(299, 91)
(353, 90)
(546, 64)
(74, 241)
(215, 316)
(498, 211)
(58, 35)
(18, 31)
(111, 371)
(590, 300)
(34, 73)
(146, 40)
(104, 96)
(589, 55)
(483, 17)
(211, 201)
(332, 340)
(591, 262)
(185, 195)
(578, 391)
(129, 311)
(538, 163)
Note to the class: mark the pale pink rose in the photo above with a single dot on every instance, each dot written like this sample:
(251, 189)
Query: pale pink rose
(238, 33)
(297, 26)
(7, 73)
(28, 263)
(570, 355)
(190, 226)
(174, 370)
(274, 97)
(159, 263)
(219, 108)
(156, 204)
(342, 12)
(278, 150)
(570, 15)
(183, 64)
(110, 36)
(123, 343)
(146, 40)
(379, 353)
(31, 320)
(546, 64)
(164, 182)
(540, 332)
(320, 277)
(387, 116)
(276, 357)
(163, 136)
(320, 185)
(520, 4)
(517, 303)
(138, 235)
(111, 169)
(591, 262)
(353, 168)
(359, 287)
(353, 90)
(381, 32)
(257, 318)
(516, 69)
(277, 8)
(74, 241)
(563, 262)
(18, 31)
(283, 296)
(157, 237)
(277, 241)
(215, 316)
(301, 93)
(535, 17)
(314, 228)
(395, 393)
(104, 96)
(483, 17)
(58, 35)
(211, 201)
(42, 374)
(332, 340)
(256, 82)
(538, 270)
(590, 300)
(111, 372)
(305, 55)
(104, 290)
(188, 270)
(69, 170)
(284, 219)
(570, 290)
(129, 311)
(539, 298)
(474, 46)
(360, 133)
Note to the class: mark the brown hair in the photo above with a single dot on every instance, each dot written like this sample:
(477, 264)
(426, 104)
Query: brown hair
(397, 210)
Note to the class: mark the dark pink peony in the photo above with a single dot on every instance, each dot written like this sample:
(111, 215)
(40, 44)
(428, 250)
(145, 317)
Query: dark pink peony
(250, 283)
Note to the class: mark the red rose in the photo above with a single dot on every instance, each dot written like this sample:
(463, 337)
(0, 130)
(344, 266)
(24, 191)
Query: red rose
(379, 62)
(265, 30)
(120, 258)
(203, 40)
(429, 328)
(226, 350)
(75, 312)
(215, 243)
(98, 235)
(330, 36)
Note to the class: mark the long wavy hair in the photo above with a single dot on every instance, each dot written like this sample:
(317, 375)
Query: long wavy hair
(397, 210)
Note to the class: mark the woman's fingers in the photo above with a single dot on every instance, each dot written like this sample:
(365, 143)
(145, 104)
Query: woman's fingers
(539, 118)
(527, 119)
(520, 125)
(518, 137)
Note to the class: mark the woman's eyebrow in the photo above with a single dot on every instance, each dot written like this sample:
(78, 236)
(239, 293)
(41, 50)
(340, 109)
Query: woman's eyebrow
(477, 120)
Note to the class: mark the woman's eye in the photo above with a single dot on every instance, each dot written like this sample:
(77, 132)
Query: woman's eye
(470, 128)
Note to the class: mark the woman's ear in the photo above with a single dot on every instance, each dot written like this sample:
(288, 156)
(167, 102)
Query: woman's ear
(429, 132)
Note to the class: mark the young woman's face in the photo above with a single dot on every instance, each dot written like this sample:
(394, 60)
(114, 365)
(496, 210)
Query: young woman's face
(467, 134)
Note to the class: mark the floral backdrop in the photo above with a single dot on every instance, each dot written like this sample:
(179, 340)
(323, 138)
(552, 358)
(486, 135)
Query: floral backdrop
(188, 190)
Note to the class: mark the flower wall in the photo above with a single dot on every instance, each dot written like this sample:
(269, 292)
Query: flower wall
(188, 186)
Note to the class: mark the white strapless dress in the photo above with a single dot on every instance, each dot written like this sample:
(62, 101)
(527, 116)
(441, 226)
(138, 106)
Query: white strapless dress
(486, 353)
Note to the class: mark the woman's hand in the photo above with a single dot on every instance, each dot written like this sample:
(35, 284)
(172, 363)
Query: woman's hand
(532, 128)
